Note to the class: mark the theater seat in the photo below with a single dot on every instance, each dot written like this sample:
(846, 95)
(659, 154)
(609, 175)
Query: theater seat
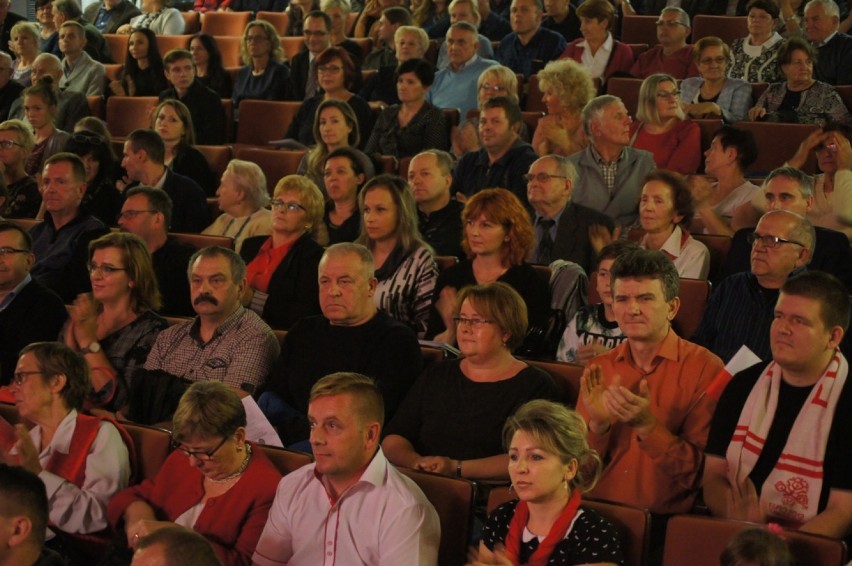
(152, 445)
(286, 460)
(727, 28)
(127, 113)
(639, 29)
(262, 121)
(778, 143)
(224, 23)
(567, 378)
(199, 241)
(274, 163)
(627, 90)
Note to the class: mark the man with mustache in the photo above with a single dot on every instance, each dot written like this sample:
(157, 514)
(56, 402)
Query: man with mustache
(224, 342)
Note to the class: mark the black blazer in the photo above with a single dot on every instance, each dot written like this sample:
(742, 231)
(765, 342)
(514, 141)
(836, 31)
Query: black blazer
(572, 234)
(293, 288)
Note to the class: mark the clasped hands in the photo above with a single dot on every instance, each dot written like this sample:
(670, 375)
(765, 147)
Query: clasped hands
(436, 464)
(605, 402)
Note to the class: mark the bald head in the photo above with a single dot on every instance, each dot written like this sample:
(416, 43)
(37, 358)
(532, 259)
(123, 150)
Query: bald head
(47, 64)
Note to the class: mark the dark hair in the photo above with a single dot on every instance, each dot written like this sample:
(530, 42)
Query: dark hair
(647, 264)
(793, 44)
(70, 8)
(348, 153)
(149, 141)
(741, 140)
(55, 358)
(145, 293)
(407, 229)
(681, 195)
(840, 128)
(158, 200)
(155, 61)
(10, 226)
(599, 10)
(767, 6)
(238, 266)
(89, 143)
(758, 546)
(173, 55)
(23, 493)
(513, 111)
(46, 89)
(398, 15)
(181, 546)
(214, 61)
(825, 288)
(424, 71)
(320, 15)
(78, 170)
(332, 53)
(617, 247)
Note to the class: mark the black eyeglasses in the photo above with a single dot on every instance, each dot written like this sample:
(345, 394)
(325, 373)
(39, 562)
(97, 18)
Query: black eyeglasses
(289, 205)
(475, 323)
(5, 250)
(91, 139)
(105, 270)
(203, 455)
(131, 214)
(542, 177)
(19, 377)
(769, 241)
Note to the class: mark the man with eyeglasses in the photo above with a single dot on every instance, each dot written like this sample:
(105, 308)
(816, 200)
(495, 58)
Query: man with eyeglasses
(147, 213)
(350, 335)
(205, 106)
(61, 242)
(562, 227)
(740, 309)
(788, 188)
(464, 11)
(9, 90)
(822, 23)
(29, 311)
(303, 77)
(384, 54)
(143, 159)
(672, 56)
(72, 106)
(779, 448)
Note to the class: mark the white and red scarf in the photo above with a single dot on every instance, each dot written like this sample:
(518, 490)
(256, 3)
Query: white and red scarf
(790, 494)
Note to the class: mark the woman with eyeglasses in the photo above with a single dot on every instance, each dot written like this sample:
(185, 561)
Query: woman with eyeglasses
(143, 73)
(407, 128)
(450, 421)
(173, 122)
(215, 482)
(404, 263)
(26, 45)
(662, 128)
(44, 17)
(498, 239)
(597, 18)
(209, 70)
(82, 460)
(550, 465)
(755, 58)
(496, 80)
(115, 326)
(566, 87)
(24, 198)
(264, 75)
(40, 103)
(335, 75)
(242, 196)
(713, 94)
(102, 199)
(344, 175)
(800, 99)
(282, 268)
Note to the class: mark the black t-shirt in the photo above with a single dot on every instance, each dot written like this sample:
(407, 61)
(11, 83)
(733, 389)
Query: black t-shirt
(838, 452)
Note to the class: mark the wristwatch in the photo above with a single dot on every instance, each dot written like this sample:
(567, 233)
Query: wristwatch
(93, 348)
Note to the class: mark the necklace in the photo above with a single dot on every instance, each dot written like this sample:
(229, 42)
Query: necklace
(239, 471)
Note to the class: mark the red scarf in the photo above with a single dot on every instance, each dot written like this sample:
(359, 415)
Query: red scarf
(547, 546)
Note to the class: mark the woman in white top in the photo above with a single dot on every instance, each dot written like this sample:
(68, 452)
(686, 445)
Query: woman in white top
(158, 17)
(243, 197)
(665, 211)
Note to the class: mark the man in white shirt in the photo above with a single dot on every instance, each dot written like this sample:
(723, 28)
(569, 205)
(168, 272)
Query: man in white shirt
(351, 506)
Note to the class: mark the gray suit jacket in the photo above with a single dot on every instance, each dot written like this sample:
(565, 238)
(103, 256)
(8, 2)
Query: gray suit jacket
(121, 15)
(623, 204)
(86, 77)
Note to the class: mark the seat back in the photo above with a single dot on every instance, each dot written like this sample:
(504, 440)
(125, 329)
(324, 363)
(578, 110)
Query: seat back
(637, 49)
(531, 121)
(274, 163)
(627, 90)
(718, 245)
(292, 46)
(168, 42)
(366, 45)
(127, 113)
(783, 141)
(533, 102)
(199, 241)
(96, 106)
(224, 23)
(117, 46)
(279, 20)
(229, 47)
(217, 157)
(727, 28)
(683, 532)
(633, 524)
(566, 376)
(262, 121)
(191, 22)
(152, 445)
(845, 92)
(639, 29)
(286, 460)
(452, 498)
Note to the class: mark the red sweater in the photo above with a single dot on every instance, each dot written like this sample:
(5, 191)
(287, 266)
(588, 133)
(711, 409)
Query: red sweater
(620, 60)
(677, 150)
(232, 522)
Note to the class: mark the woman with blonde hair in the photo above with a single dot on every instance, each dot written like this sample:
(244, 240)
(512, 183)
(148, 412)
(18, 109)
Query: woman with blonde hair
(662, 128)
(242, 197)
(498, 239)
(40, 103)
(26, 45)
(264, 75)
(496, 80)
(405, 265)
(116, 325)
(173, 122)
(282, 268)
(550, 465)
(566, 87)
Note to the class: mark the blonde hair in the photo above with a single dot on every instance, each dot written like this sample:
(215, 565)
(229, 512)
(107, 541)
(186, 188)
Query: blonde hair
(569, 81)
(276, 53)
(503, 75)
(647, 110)
(312, 201)
(251, 179)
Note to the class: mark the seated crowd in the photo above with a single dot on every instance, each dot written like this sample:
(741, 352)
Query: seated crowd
(433, 235)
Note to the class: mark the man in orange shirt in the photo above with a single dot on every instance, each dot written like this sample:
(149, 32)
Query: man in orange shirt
(645, 400)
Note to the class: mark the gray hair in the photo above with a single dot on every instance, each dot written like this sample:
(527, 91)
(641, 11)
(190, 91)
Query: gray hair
(443, 160)
(364, 255)
(829, 6)
(804, 181)
(564, 166)
(465, 26)
(344, 5)
(474, 8)
(250, 178)
(55, 64)
(682, 16)
(238, 266)
(803, 232)
(595, 107)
